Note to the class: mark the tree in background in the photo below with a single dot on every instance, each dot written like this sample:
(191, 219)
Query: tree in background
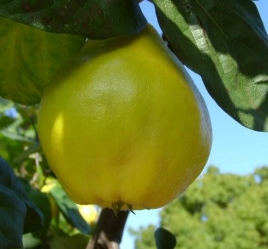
(217, 211)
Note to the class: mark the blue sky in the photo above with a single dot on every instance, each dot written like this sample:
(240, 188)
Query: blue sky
(235, 149)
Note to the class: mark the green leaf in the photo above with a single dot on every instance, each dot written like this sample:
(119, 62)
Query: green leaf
(29, 58)
(30, 241)
(9, 147)
(17, 213)
(25, 154)
(226, 43)
(17, 137)
(65, 242)
(5, 121)
(69, 209)
(164, 239)
(95, 19)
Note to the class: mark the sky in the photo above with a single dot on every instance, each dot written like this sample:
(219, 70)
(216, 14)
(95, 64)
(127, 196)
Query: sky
(235, 148)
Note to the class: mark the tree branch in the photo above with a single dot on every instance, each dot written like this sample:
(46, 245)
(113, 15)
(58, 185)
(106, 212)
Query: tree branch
(109, 230)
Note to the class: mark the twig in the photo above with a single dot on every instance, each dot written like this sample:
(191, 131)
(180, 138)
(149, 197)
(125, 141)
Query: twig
(109, 230)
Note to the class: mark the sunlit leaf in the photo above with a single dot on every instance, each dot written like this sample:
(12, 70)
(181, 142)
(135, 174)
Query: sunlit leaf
(225, 42)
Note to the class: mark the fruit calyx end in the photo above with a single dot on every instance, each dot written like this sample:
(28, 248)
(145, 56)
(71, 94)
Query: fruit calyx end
(117, 206)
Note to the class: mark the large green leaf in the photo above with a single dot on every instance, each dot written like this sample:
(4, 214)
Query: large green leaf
(225, 42)
(28, 59)
(18, 214)
(92, 18)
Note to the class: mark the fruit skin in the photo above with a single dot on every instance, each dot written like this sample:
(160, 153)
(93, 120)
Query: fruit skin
(122, 123)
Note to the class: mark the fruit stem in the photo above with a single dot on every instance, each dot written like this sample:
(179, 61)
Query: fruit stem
(109, 230)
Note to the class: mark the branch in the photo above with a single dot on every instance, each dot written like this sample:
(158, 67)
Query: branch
(109, 230)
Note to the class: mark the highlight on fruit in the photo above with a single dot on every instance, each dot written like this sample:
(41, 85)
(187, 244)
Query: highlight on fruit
(123, 126)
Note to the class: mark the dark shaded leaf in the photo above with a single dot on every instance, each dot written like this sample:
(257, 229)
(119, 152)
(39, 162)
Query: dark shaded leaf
(164, 239)
(34, 219)
(12, 213)
(96, 19)
(29, 58)
(17, 213)
(69, 209)
(9, 180)
(42, 202)
(225, 42)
